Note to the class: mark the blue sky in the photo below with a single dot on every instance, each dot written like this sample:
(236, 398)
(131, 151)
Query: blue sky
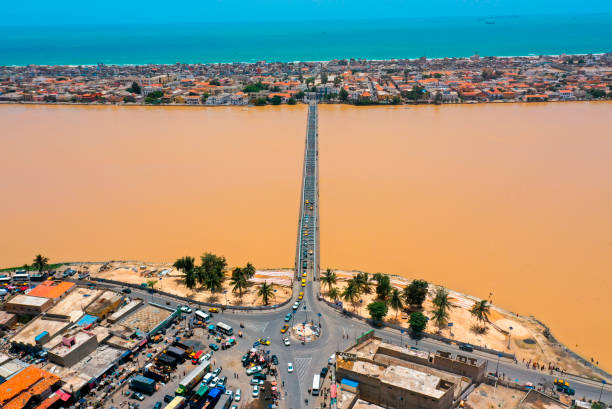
(62, 12)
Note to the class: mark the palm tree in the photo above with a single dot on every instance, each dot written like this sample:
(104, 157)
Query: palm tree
(151, 283)
(184, 264)
(480, 311)
(440, 316)
(40, 262)
(395, 301)
(351, 292)
(363, 283)
(265, 292)
(213, 281)
(249, 271)
(239, 280)
(333, 293)
(383, 286)
(190, 279)
(441, 299)
(329, 278)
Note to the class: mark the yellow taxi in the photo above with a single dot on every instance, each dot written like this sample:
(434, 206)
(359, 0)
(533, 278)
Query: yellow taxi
(284, 328)
(213, 309)
(264, 341)
(301, 295)
(303, 282)
(304, 274)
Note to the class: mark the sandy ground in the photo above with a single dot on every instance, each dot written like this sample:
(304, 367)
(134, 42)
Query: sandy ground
(537, 349)
(487, 397)
(171, 281)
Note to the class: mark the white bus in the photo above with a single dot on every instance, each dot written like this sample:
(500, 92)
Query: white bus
(315, 384)
(20, 276)
(224, 328)
(202, 316)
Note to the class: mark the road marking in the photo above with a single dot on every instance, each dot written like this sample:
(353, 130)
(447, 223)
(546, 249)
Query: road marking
(259, 326)
(301, 367)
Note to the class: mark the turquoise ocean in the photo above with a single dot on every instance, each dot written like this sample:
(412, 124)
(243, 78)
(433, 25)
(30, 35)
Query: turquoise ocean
(306, 40)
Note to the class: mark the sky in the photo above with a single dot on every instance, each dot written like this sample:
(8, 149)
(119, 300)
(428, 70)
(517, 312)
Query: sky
(79, 12)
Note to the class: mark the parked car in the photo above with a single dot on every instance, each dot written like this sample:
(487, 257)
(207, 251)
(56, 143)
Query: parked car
(332, 359)
(186, 309)
(126, 291)
(255, 391)
(217, 371)
(138, 395)
(158, 405)
(286, 342)
(324, 372)
(466, 347)
(168, 398)
(214, 347)
(253, 370)
(223, 380)
(289, 367)
(238, 395)
(275, 360)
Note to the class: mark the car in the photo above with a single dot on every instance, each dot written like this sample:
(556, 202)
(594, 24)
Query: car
(324, 372)
(256, 381)
(466, 347)
(234, 407)
(238, 395)
(216, 372)
(229, 393)
(138, 395)
(264, 341)
(168, 398)
(206, 357)
(253, 370)
(126, 291)
(332, 359)
(274, 359)
(186, 309)
(255, 391)
(213, 309)
(304, 274)
(300, 297)
(158, 405)
(286, 342)
(303, 282)
(214, 382)
(296, 305)
(289, 367)
(284, 328)
(288, 317)
(214, 347)
(223, 380)
(561, 382)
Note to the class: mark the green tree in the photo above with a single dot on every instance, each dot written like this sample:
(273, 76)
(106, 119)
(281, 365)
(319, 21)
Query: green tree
(276, 100)
(383, 286)
(324, 78)
(333, 293)
(337, 81)
(239, 280)
(440, 316)
(329, 278)
(265, 292)
(343, 94)
(395, 301)
(480, 311)
(151, 284)
(596, 93)
(204, 97)
(135, 88)
(259, 102)
(416, 292)
(351, 292)
(441, 300)
(211, 272)
(214, 81)
(378, 310)
(40, 262)
(291, 101)
(184, 264)
(415, 94)
(190, 279)
(299, 95)
(275, 88)
(418, 322)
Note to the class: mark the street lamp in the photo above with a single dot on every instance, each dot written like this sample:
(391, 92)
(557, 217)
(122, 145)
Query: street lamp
(603, 382)
(509, 335)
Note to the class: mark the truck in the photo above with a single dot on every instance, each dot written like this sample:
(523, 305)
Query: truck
(566, 389)
(193, 378)
(199, 397)
(212, 398)
(176, 352)
(141, 383)
(167, 360)
(151, 372)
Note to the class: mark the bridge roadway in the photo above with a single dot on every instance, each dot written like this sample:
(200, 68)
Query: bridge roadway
(338, 331)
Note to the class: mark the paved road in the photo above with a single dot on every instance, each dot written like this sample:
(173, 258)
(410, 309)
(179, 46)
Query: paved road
(338, 331)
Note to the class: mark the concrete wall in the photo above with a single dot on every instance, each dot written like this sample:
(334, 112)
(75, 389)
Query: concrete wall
(77, 353)
(457, 366)
(403, 356)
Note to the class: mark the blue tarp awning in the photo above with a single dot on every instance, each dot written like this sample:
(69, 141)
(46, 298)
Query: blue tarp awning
(86, 320)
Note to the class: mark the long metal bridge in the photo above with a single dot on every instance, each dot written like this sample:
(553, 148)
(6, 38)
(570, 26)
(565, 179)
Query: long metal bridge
(307, 249)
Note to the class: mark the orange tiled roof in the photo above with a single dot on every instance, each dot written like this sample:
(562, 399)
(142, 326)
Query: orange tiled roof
(51, 289)
(20, 383)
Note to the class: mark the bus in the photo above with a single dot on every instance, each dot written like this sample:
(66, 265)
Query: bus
(315, 384)
(177, 403)
(202, 316)
(21, 276)
(224, 328)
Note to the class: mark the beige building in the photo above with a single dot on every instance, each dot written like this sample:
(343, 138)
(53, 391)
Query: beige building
(72, 348)
(27, 305)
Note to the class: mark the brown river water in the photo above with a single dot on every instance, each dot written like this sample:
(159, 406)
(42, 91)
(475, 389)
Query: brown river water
(512, 199)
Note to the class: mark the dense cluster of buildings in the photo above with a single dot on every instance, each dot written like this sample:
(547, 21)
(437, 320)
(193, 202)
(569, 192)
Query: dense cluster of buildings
(62, 342)
(448, 80)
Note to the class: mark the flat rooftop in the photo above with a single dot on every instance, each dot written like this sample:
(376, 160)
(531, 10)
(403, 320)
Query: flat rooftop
(145, 318)
(103, 301)
(79, 338)
(37, 326)
(51, 289)
(410, 379)
(362, 404)
(97, 361)
(369, 349)
(75, 303)
(28, 300)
